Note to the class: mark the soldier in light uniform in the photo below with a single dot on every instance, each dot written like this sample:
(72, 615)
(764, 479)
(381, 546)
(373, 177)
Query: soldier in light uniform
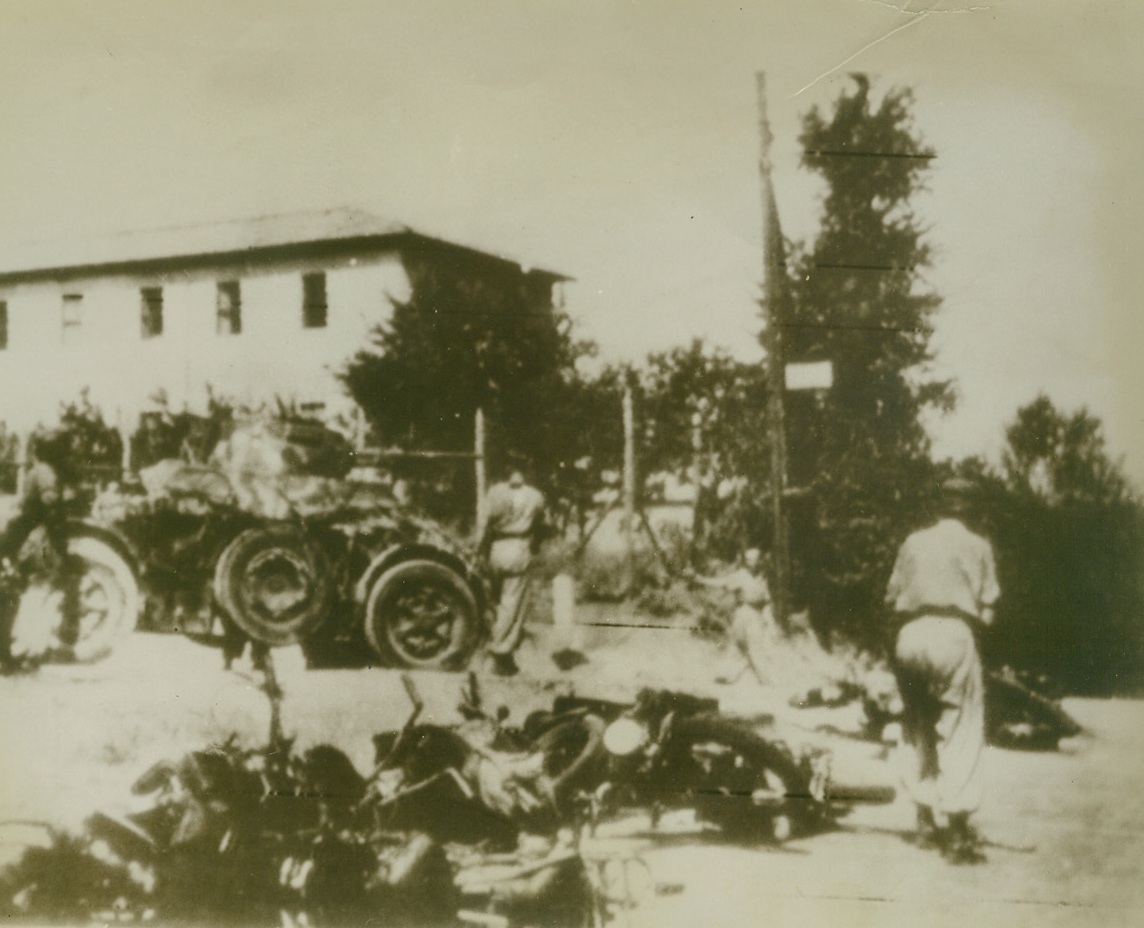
(753, 629)
(943, 590)
(510, 536)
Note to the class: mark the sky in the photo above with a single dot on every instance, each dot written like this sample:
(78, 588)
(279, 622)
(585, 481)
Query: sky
(617, 142)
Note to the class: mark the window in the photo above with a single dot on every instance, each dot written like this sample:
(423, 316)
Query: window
(72, 316)
(229, 320)
(314, 306)
(3, 325)
(151, 311)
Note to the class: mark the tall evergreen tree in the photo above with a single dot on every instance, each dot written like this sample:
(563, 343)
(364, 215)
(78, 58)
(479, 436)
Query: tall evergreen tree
(859, 300)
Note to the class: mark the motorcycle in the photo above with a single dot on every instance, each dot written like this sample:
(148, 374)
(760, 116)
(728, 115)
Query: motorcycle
(586, 759)
(671, 750)
(1022, 712)
(271, 834)
(499, 799)
(301, 839)
(484, 781)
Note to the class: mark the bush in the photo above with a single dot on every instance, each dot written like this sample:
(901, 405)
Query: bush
(1069, 538)
(90, 450)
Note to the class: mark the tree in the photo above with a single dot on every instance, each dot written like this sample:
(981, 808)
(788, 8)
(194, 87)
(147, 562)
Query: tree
(1061, 457)
(472, 338)
(91, 450)
(700, 394)
(859, 300)
(1069, 534)
(703, 417)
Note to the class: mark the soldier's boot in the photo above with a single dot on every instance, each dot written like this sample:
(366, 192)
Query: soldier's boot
(928, 834)
(963, 844)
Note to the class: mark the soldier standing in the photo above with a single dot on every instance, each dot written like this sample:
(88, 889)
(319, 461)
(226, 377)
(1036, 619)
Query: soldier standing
(943, 591)
(753, 629)
(510, 536)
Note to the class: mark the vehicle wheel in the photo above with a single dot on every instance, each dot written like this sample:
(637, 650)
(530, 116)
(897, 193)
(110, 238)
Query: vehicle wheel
(727, 763)
(110, 600)
(574, 756)
(274, 584)
(422, 614)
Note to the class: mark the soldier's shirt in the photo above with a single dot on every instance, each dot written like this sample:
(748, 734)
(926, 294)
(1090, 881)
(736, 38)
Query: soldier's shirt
(945, 567)
(514, 512)
(751, 589)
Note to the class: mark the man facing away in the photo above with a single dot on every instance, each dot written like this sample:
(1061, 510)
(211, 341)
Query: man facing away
(511, 534)
(943, 590)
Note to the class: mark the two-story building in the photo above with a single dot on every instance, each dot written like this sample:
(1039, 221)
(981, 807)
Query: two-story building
(258, 310)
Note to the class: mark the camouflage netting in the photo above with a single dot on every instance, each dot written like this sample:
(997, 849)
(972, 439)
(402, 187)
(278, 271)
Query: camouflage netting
(272, 471)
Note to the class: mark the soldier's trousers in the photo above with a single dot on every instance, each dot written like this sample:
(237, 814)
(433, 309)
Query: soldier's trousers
(939, 676)
(509, 560)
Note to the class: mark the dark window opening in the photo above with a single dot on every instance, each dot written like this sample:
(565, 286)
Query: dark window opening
(229, 319)
(151, 310)
(72, 317)
(315, 309)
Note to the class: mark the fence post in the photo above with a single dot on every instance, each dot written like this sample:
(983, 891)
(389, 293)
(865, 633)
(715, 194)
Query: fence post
(629, 485)
(479, 465)
(126, 463)
(23, 442)
(697, 476)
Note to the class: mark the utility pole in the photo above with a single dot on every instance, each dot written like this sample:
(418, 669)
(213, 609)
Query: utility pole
(774, 295)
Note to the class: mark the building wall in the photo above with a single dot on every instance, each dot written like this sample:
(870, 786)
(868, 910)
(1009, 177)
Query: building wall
(274, 356)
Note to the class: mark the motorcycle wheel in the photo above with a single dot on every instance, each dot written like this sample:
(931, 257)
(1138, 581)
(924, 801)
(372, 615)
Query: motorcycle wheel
(423, 615)
(574, 757)
(275, 584)
(728, 763)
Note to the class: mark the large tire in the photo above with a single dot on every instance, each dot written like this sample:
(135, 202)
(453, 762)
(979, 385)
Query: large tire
(274, 584)
(739, 761)
(110, 599)
(423, 615)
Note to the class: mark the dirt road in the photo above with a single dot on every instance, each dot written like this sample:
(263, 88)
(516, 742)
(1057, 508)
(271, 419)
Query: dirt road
(1070, 825)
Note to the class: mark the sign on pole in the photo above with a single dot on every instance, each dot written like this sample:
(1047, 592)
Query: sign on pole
(810, 375)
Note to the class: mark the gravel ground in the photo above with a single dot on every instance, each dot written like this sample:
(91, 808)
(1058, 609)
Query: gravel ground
(1067, 828)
